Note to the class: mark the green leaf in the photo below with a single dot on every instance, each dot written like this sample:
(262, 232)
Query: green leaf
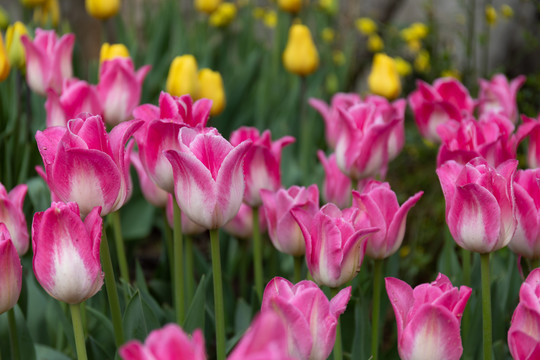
(47, 353)
(96, 351)
(100, 326)
(138, 319)
(26, 344)
(137, 217)
(196, 312)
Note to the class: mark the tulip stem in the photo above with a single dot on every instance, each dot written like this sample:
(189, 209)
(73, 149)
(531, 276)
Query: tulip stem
(120, 251)
(13, 337)
(178, 264)
(190, 274)
(466, 259)
(78, 331)
(218, 295)
(298, 262)
(168, 243)
(305, 130)
(338, 351)
(377, 284)
(257, 253)
(486, 305)
(112, 292)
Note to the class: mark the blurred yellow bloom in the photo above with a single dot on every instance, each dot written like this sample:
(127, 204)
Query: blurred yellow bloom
(14, 47)
(338, 57)
(491, 15)
(259, 12)
(270, 19)
(224, 15)
(366, 26)
(414, 33)
(507, 11)
(414, 46)
(4, 19)
(48, 13)
(403, 67)
(109, 52)
(328, 34)
(300, 56)
(451, 73)
(421, 62)
(211, 87)
(102, 9)
(375, 43)
(328, 6)
(384, 78)
(4, 62)
(32, 3)
(291, 6)
(183, 78)
(207, 6)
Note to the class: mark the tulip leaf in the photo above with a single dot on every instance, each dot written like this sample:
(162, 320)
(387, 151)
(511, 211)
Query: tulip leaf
(48, 353)
(39, 193)
(139, 319)
(137, 217)
(101, 327)
(96, 350)
(196, 312)
(26, 344)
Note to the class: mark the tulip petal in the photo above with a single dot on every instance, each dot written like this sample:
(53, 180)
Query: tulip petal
(396, 229)
(402, 300)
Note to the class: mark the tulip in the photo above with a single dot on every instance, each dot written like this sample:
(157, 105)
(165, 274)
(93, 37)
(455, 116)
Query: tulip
(524, 332)
(86, 165)
(4, 62)
(480, 209)
(384, 78)
(290, 6)
(102, 9)
(77, 97)
(335, 248)
(262, 162)
(48, 13)
(48, 60)
(152, 193)
(241, 226)
(120, 88)
(337, 186)
(188, 226)
(499, 95)
(12, 215)
(112, 51)
(284, 231)
(211, 87)
(207, 6)
(169, 342)
(223, 16)
(4, 19)
(300, 56)
(11, 274)
(381, 209)
(183, 78)
(66, 252)
(14, 47)
(311, 319)
(533, 152)
(428, 318)
(366, 26)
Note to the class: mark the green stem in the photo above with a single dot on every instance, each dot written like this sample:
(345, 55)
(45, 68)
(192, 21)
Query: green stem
(486, 306)
(257, 253)
(13, 337)
(466, 319)
(178, 265)
(305, 130)
(190, 274)
(377, 285)
(218, 295)
(112, 292)
(168, 242)
(298, 262)
(78, 330)
(120, 251)
(338, 351)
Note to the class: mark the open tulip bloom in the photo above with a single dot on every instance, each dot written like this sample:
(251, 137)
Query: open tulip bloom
(499, 95)
(12, 215)
(11, 274)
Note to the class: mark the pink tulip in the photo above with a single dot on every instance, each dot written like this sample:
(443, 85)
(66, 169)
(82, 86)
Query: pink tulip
(262, 162)
(428, 318)
(12, 215)
(284, 231)
(334, 247)
(86, 165)
(241, 226)
(120, 88)
(480, 210)
(499, 95)
(66, 252)
(48, 60)
(11, 274)
(311, 319)
(381, 209)
(532, 127)
(524, 332)
(167, 343)
(160, 132)
(77, 97)
(208, 176)
(337, 186)
(151, 192)
(188, 227)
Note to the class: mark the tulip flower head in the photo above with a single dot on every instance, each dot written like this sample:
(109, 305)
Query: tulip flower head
(207, 6)
(211, 87)
(4, 61)
(112, 51)
(151, 192)
(102, 9)
(241, 226)
(533, 152)
(300, 56)
(337, 186)
(188, 227)
(499, 95)
(183, 78)
(14, 47)
(12, 216)
(384, 78)
(223, 16)
(48, 13)
(290, 6)
(11, 274)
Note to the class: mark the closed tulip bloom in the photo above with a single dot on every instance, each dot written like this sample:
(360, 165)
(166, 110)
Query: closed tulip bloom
(47, 13)
(241, 226)
(188, 226)
(337, 186)
(207, 6)
(112, 51)
(284, 231)
(499, 95)
(524, 332)
(428, 318)
(151, 192)
(262, 162)
(183, 78)
(480, 210)
(223, 16)
(86, 165)
(11, 274)
(291, 6)
(211, 87)
(4, 61)
(167, 343)
(66, 252)
(14, 47)
(12, 215)
(381, 209)
(208, 176)
(300, 56)
(48, 60)
(335, 248)
(310, 317)
(102, 9)
(384, 79)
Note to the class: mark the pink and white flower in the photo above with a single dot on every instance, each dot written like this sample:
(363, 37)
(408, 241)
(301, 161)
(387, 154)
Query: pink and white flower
(499, 96)
(11, 274)
(337, 186)
(12, 215)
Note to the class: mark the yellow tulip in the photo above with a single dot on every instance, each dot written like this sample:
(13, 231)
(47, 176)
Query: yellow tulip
(211, 87)
(109, 52)
(451, 73)
(4, 19)
(183, 78)
(384, 78)
(14, 47)
(328, 6)
(207, 6)
(300, 56)
(224, 15)
(328, 34)
(507, 11)
(102, 9)
(375, 43)
(491, 15)
(4, 62)
(403, 67)
(48, 13)
(291, 6)
(32, 3)
(270, 19)
(366, 26)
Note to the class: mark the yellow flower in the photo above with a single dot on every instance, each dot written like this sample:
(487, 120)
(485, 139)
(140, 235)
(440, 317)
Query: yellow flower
(32, 3)
(328, 34)
(421, 62)
(109, 52)
(207, 6)
(328, 6)
(211, 87)
(224, 15)
(183, 78)
(418, 30)
(384, 78)
(291, 6)
(414, 46)
(102, 9)
(300, 56)
(4, 62)
(270, 19)
(403, 67)
(366, 26)
(507, 11)
(375, 43)
(491, 15)
(48, 13)
(14, 47)
(259, 12)
(451, 73)
(4, 19)
(338, 57)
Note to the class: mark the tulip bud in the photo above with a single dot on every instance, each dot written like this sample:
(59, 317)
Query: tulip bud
(300, 56)
(491, 15)
(207, 6)
(48, 13)
(4, 19)
(183, 78)
(375, 43)
(11, 274)
(211, 87)
(224, 15)
(14, 47)
(384, 78)
(111, 51)
(366, 26)
(291, 6)
(4, 62)
(102, 9)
